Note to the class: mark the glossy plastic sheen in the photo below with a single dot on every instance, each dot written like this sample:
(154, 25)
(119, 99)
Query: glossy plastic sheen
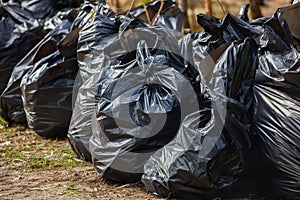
(94, 38)
(11, 104)
(277, 100)
(188, 166)
(48, 86)
(20, 32)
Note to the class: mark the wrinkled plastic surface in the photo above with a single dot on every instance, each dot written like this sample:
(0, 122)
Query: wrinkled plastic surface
(169, 17)
(47, 91)
(20, 32)
(96, 34)
(51, 23)
(218, 32)
(120, 145)
(277, 110)
(184, 168)
(47, 8)
(93, 33)
(11, 104)
(205, 159)
(47, 87)
(80, 129)
(196, 163)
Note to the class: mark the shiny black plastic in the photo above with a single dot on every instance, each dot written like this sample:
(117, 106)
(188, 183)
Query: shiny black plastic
(207, 160)
(11, 104)
(263, 157)
(42, 9)
(94, 32)
(20, 32)
(119, 150)
(97, 35)
(277, 100)
(47, 91)
(47, 87)
(169, 17)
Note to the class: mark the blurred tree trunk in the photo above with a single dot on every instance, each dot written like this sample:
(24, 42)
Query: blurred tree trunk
(183, 6)
(208, 7)
(255, 11)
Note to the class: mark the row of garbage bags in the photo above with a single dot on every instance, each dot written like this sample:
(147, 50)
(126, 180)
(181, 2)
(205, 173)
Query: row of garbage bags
(198, 116)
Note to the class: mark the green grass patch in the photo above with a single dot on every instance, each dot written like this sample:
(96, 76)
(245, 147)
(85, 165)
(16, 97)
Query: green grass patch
(22, 149)
(2, 122)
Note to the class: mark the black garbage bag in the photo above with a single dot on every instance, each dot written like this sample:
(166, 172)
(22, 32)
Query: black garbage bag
(170, 15)
(149, 89)
(51, 23)
(277, 106)
(209, 155)
(93, 33)
(47, 86)
(96, 34)
(218, 32)
(11, 104)
(47, 94)
(42, 9)
(171, 18)
(20, 32)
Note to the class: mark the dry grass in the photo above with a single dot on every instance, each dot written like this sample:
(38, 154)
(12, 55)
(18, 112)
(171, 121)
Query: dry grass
(32, 167)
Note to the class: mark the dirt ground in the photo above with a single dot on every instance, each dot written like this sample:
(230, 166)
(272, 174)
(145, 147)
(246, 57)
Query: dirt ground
(32, 167)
